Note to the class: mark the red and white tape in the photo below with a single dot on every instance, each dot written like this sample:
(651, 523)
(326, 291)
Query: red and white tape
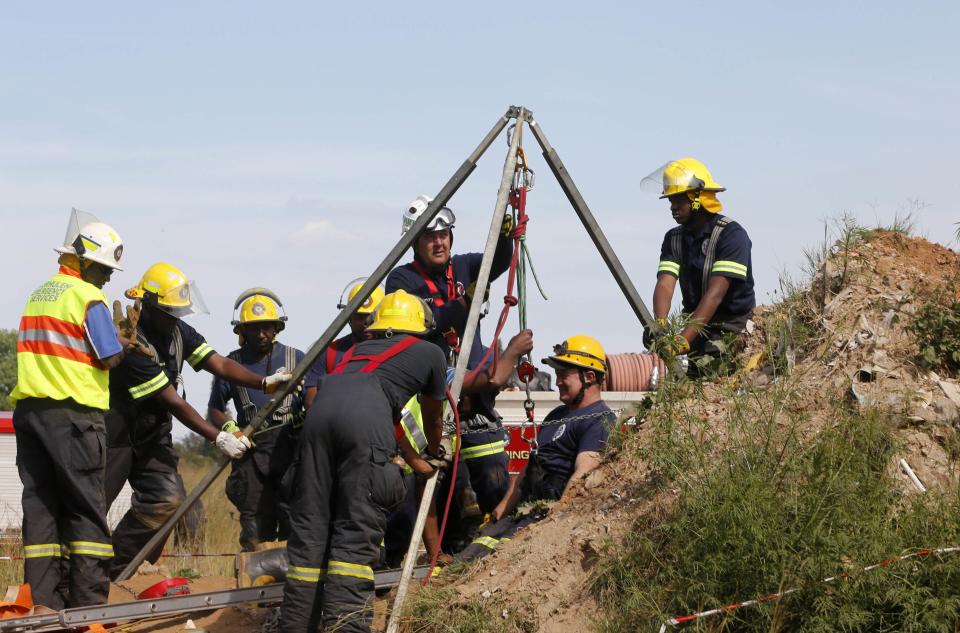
(685, 619)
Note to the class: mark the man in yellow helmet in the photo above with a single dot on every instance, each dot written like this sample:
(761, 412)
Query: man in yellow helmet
(143, 400)
(569, 441)
(66, 346)
(347, 482)
(708, 253)
(334, 352)
(254, 483)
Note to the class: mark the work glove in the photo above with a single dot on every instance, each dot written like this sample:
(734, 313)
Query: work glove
(126, 326)
(272, 382)
(680, 345)
(506, 229)
(231, 441)
(472, 291)
(648, 334)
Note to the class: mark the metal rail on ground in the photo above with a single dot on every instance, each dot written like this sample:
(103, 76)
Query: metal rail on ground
(165, 607)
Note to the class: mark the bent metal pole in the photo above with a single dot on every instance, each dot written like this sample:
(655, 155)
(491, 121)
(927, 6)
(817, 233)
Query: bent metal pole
(466, 343)
(406, 240)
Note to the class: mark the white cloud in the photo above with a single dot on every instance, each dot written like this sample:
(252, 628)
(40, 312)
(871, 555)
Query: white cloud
(317, 231)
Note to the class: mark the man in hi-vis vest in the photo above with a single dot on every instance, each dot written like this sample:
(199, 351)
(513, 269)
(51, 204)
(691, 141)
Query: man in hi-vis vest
(65, 348)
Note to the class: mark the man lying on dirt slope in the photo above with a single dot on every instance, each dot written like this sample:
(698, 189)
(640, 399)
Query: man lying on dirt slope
(570, 441)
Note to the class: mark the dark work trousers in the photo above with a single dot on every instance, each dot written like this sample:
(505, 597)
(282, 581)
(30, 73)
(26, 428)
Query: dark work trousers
(400, 524)
(718, 328)
(151, 469)
(488, 471)
(254, 487)
(61, 455)
(346, 486)
(495, 534)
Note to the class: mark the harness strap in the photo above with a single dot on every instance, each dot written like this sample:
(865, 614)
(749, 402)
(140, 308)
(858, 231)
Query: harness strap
(177, 354)
(375, 360)
(712, 251)
(435, 294)
(331, 358)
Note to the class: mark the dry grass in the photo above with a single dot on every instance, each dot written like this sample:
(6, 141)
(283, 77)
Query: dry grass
(218, 534)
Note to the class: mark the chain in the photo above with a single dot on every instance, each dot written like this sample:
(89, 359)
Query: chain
(271, 622)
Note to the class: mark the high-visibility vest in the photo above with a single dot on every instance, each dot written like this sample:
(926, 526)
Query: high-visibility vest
(54, 358)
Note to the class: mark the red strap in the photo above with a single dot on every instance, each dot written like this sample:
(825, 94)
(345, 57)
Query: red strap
(438, 299)
(375, 360)
(331, 358)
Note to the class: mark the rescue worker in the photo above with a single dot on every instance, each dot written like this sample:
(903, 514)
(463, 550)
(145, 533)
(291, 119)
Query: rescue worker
(143, 400)
(448, 282)
(334, 351)
(254, 485)
(570, 440)
(347, 482)
(710, 256)
(66, 346)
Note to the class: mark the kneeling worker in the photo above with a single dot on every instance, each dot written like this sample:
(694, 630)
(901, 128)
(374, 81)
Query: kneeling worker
(346, 480)
(569, 440)
(708, 253)
(143, 397)
(254, 483)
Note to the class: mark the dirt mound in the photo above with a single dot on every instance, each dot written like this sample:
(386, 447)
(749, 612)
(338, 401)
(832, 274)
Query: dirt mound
(842, 336)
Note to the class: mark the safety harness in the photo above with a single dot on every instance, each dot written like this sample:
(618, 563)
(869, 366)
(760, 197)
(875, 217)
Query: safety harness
(374, 360)
(439, 299)
(676, 248)
(177, 345)
(284, 413)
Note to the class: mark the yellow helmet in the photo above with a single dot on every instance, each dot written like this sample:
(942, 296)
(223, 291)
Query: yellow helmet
(258, 305)
(682, 176)
(166, 287)
(368, 306)
(401, 311)
(579, 351)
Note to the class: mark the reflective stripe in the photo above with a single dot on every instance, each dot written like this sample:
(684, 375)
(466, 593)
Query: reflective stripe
(305, 574)
(667, 266)
(483, 450)
(91, 548)
(487, 541)
(340, 568)
(44, 550)
(723, 266)
(145, 389)
(413, 431)
(199, 354)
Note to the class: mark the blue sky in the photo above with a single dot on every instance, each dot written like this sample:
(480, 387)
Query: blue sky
(255, 144)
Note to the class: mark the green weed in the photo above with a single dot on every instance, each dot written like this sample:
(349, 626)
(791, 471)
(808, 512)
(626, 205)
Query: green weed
(443, 610)
(937, 328)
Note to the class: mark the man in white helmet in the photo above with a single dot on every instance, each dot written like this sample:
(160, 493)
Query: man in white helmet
(447, 283)
(66, 346)
(254, 485)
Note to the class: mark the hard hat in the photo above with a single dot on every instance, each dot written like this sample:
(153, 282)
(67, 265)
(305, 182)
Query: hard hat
(351, 290)
(258, 305)
(401, 311)
(89, 238)
(443, 220)
(579, 351)
(167, 288)
(681, 176)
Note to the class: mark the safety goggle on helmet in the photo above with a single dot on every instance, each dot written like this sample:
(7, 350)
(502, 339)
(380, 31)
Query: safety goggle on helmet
(444, 219)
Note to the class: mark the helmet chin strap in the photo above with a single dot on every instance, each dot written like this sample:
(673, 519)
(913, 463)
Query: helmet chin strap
(583, 388)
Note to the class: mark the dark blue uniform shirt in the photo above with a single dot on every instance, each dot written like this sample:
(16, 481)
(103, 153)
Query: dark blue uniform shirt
(567, 433)
(223, 390)
(320, 368)
(731, 260)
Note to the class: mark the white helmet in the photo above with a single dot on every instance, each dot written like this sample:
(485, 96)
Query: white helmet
(97, 242)
(443, 220)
